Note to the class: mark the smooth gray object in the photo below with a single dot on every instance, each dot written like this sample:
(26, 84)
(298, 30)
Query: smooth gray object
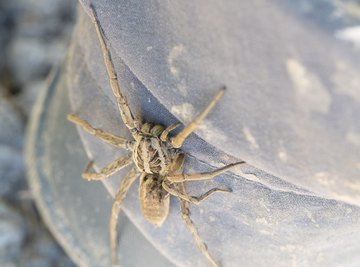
(290, 110)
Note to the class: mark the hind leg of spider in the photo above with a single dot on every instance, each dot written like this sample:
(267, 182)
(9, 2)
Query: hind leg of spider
(185, 214)
(193, 199)
(119, 199)
(108, 170)
(125, 112)
(99, 133)
(181, 177)
(179, 139)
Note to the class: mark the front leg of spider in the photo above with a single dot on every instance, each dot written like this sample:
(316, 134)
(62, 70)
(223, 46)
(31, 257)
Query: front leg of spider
(156, 156)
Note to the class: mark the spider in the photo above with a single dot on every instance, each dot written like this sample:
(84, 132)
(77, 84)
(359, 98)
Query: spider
(157, 158)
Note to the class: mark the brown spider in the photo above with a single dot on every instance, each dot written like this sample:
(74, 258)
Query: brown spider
(156, 156)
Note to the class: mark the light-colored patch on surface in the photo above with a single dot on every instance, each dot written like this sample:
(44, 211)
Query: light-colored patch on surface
(262, 221)
(174, 54)
(282, 154)
(353, 137)
(347, 80)
(210, 132)
(184, 111)
(132, 85)
(249, 137)
(324, 178)
(182, 88)
(212, 218)
(312, 219)
(265, 232)
(149, 48)
(311, 94)
(350, 34)
(294, 251)
(353, 185)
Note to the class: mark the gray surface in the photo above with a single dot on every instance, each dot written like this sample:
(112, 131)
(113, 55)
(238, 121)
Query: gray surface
(290, 110)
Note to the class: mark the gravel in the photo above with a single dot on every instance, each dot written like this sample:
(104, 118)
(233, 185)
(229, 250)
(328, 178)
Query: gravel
(33, 38)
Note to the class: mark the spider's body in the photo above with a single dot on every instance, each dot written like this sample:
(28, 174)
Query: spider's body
(151, 154)
(154, 200)
(156, 156)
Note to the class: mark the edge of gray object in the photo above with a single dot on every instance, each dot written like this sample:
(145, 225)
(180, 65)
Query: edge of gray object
(75, 210)
(305, 133)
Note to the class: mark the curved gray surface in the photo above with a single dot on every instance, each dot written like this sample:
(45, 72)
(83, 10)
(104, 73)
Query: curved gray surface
(290, 112)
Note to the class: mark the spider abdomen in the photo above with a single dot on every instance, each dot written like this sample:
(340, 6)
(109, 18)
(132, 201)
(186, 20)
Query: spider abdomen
(154, 200)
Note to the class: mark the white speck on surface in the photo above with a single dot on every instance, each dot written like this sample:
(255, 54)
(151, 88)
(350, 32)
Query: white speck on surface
(212, 218)
(311, 94)
(174, 54)
(184, 111)
(149, 48)
(350, 34)
(262, 221)
(282, 154)
(347, 80)
(353, 138)
(250, 138)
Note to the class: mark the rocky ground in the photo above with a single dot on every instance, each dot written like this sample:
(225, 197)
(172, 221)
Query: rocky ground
(34, 35)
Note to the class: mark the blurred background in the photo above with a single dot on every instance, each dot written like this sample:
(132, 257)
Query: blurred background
(34, 35)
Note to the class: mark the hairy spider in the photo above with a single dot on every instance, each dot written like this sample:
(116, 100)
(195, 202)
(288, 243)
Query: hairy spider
(156, 156)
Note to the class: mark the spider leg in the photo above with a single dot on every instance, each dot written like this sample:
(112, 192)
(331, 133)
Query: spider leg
(108, 170)
(179, 139)
(119, 198)
(99, 133)
(165, 133)
(181, 177)
(126, 115)
(193, 199)
(185, 214)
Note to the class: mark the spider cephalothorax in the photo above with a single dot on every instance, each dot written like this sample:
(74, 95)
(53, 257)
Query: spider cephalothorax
(152, 152)
(157, 158)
